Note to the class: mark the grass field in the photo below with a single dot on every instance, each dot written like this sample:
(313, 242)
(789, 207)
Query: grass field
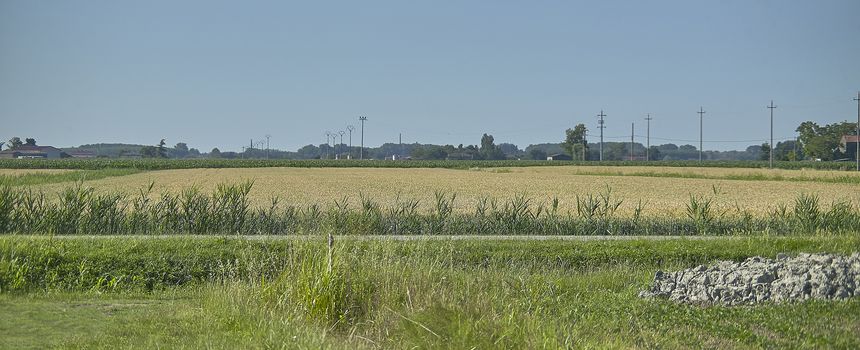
(663, 191)
(235, 293)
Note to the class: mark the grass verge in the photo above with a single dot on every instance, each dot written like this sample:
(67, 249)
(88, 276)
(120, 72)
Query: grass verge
(227, 293)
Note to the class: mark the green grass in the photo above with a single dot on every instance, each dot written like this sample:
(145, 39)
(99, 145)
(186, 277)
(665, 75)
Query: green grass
(30, 179)
(236, 293)
(160, 164)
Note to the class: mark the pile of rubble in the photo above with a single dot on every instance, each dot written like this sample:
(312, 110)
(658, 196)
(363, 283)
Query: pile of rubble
(756, 280)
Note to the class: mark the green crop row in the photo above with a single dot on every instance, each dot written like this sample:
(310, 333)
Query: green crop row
(160, 164)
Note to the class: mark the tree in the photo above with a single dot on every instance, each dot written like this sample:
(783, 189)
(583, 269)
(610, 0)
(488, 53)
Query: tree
(487, 143)
(575, 142)
(29, 142)
(215, 153)
(161, 150)
(180, 150)
(537, 154)
(489, 149)
(15, 142)
(654, 153)
(148, 152)
(765, 152)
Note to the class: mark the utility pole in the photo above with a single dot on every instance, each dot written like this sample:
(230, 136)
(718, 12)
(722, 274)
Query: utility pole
(361, 152)
(584, 143)
(601, 126)
(327, 147)
(350, 128)
(857, 144)
(267, 146)
(771, 108)
(632, 127)
(341, 140)
(701, 114)
(648, 138)
(400, 145)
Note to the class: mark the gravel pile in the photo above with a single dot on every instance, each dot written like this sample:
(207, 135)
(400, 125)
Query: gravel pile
(756, 280)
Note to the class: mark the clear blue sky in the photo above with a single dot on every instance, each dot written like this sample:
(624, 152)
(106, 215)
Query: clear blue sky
(213, 73)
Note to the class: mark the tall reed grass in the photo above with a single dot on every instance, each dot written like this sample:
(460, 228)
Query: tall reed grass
(227, 210)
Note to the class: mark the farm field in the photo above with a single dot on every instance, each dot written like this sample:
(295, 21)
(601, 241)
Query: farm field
(663, 191)
(221, 292)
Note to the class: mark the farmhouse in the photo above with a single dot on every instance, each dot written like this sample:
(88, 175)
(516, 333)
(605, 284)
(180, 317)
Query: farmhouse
(81, 154)
(34, 152)
(848, 144)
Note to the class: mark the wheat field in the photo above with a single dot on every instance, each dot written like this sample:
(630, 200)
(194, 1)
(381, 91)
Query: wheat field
(660, 195)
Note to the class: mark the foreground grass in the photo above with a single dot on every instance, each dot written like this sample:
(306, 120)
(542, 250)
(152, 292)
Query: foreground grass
(229, 293)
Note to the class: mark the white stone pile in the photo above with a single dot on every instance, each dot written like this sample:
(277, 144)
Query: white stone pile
(757, 280)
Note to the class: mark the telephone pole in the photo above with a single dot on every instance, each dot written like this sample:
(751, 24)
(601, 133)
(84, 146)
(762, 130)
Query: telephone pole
(648, 138)
(701, 114)
(632, 127)
(601, 126)
(341, 142)
(771, 108)
(857, 150)
(361, 151)
(350, 128)
(584, 143)
(267, 146)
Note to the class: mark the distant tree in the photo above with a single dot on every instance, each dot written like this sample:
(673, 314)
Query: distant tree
(489, 150)
(537, 154)
(309, 152)
(654, 153)
(429, 152)
(575, 142)
(180, 150)
(194, 152)
(687, 148)
(509, 149)
(29, 142)
(215, 153)
(148, 152)
(15, 142)
(765, 152)
(1, 145)
(161, 150)
(487, 143)
(668, 147)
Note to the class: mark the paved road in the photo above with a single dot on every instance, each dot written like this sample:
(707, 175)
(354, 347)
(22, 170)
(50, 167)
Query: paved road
(403, 237)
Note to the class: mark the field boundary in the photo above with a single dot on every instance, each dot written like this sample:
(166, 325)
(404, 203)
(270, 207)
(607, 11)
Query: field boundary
(163, 164)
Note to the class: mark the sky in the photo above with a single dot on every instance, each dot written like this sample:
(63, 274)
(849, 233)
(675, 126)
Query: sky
(219, 73)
